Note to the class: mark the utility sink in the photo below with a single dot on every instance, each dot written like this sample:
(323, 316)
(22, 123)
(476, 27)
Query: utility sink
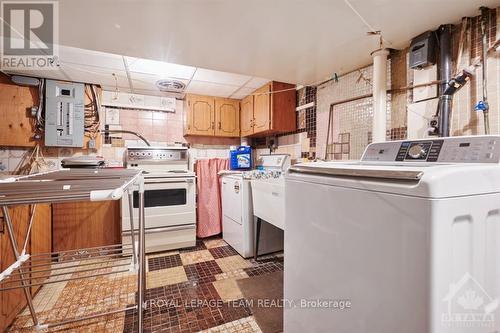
(268, 197)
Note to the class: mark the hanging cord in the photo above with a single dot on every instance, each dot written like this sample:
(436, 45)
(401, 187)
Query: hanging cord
(92, 112)
(39, 118)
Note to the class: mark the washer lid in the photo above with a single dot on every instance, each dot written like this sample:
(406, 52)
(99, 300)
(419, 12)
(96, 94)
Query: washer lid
(427, 180)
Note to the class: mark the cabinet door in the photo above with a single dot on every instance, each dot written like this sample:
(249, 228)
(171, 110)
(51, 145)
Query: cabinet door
(227, 117)
(200, 115)
(246, 123)
(262, 109)
(12, 301)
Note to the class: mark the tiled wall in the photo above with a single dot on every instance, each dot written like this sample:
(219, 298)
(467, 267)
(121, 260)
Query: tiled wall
(159, 128)
(351, 123)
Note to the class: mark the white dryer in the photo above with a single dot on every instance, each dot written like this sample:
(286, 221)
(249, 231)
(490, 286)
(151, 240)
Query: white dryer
(405, 240)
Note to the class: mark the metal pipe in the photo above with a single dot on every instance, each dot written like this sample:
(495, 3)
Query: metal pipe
(142, 260)
(13, 243)
(104, 247)
(32, 216)
(330, 116)
(93, 316)
(485, 15)
(445, 101)
(71, 272)
(64, 280)
(131, 213)
(379, 130)
(124, 255)
(127, 132)
(68, 267)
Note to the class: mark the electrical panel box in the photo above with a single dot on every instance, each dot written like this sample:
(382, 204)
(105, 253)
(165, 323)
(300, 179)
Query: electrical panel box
(64, 114)
(423, 50)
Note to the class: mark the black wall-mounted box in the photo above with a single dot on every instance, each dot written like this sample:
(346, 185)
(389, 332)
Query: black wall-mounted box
(423, 50)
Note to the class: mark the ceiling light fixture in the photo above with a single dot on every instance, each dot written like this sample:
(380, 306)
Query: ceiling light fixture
(168, 85)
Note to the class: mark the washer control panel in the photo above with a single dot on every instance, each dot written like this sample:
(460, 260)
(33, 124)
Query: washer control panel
(469, 149)
(419, 150)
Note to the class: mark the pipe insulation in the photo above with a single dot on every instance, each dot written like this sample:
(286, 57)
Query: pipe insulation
(379, 95)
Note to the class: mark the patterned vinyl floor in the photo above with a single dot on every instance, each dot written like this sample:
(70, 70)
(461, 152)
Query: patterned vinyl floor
(190, 290)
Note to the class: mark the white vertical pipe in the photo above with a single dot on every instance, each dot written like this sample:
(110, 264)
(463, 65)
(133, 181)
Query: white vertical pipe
(379, 95)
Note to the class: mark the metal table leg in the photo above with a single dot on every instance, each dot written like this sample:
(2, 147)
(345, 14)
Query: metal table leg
(257, 238)
(142, 260)
(132, 230)
(25, 284)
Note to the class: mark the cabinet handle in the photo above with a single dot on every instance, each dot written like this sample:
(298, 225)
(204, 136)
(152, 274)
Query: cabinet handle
(213, 124)
(220, 125)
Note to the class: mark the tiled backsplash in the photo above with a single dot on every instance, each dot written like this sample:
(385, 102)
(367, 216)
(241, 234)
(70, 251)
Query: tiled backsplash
(352, 119)
(159, 128)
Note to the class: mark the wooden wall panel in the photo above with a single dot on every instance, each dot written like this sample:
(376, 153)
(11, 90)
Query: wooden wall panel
(16, 128)
(12, 301)
(41, 238)
(85, 224)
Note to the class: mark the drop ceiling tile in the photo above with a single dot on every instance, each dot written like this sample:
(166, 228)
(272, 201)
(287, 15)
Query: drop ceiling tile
(256, 82)
(208, 75)
(242, 93)
(96, 75)
(211, 89)
(148, 81)
(160, 68)
(93, 58)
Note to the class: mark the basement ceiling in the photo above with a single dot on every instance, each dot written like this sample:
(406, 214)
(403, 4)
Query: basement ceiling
(129, 45)
(297, 41)
(136, 75)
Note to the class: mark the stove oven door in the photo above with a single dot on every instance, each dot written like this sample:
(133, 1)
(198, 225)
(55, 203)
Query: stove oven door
(168, 202)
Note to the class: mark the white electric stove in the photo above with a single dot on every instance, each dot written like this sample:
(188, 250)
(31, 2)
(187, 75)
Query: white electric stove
(170, 197)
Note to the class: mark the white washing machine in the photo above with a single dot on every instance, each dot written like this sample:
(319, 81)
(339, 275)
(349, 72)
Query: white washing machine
(405, 240)
(238, 221)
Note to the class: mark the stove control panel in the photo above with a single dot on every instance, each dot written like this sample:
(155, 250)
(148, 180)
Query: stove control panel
(156, 154)
(469, 149)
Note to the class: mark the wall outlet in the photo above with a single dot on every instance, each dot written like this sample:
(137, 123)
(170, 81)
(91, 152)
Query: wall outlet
(92, 144)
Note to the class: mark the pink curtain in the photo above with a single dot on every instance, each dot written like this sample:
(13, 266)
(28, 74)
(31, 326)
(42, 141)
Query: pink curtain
(209, 212)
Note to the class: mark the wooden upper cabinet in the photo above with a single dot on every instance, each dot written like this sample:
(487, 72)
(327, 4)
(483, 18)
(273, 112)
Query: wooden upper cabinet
(269, 110)
(200, 115)
(262, 109)
(273, 110)
(246, 116)
(227, 117)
